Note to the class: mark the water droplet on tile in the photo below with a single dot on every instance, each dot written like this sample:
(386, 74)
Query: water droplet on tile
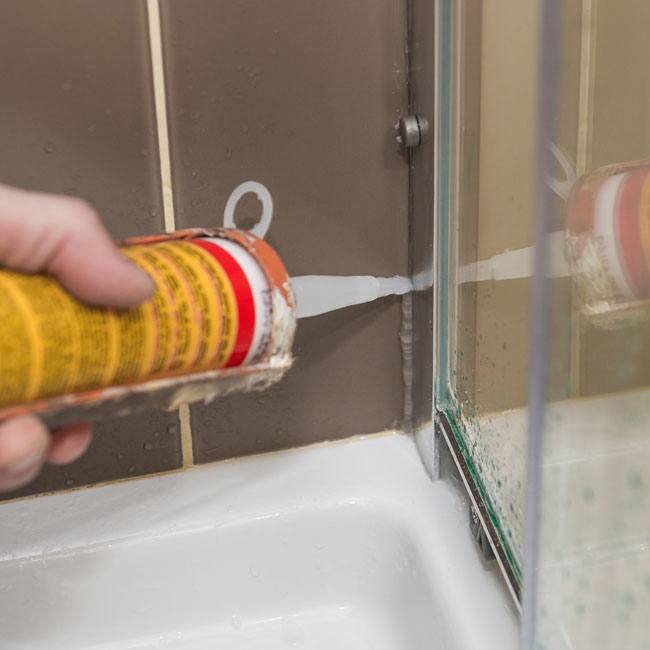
(152, 210)
(156, 434)
(235, 621)
(131, 469)
(172, 429)
(195, 116)
(49, 147)
(66, 85)
(254, 572)
(69, 481)
(148, 445)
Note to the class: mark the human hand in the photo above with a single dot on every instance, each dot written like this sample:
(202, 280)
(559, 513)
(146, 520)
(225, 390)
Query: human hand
(64, 237)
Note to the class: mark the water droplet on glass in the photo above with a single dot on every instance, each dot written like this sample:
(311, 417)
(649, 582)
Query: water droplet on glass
(172, 429)
(69, 482)
(66, 86)
(148, 446)
(153, 211)
(48, 148)
(131, 469)
(156, 434)
(254, 572)
(195, 116)
(235, 621)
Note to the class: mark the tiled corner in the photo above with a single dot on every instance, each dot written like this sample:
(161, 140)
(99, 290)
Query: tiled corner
(302, 97)
(77, 117)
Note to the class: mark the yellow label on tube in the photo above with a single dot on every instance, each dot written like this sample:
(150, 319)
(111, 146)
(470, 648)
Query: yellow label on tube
(50, 343)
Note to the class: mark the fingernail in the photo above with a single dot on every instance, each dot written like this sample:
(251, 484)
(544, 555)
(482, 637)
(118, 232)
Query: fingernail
(20, 467)
(145, 279)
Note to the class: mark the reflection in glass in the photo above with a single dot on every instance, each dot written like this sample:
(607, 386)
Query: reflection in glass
(594, 536)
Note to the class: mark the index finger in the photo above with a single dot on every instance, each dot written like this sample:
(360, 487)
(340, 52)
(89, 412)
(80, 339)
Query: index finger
(64, 237)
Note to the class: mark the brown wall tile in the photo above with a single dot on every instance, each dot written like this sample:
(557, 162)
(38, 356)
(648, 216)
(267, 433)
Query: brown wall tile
(621, 92)
(77, 112)
(77, 117)
(303, 97)
(123, 447)
(323, 397)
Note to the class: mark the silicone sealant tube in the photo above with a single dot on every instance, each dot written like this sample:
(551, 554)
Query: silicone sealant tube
(212, 308)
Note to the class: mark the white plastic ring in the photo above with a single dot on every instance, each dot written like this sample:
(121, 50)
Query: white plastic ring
(261, 227)
(562, 187)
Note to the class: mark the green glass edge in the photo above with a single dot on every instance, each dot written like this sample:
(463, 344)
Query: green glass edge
(495, 521)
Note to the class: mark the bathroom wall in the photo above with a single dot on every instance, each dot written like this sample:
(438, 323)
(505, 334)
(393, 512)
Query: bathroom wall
(300, 96)
(491, 353)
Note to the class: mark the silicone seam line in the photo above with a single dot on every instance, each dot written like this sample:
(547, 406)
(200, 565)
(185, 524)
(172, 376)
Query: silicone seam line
(244, 299)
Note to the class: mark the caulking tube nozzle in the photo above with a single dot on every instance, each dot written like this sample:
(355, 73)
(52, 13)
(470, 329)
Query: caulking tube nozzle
(318, 294)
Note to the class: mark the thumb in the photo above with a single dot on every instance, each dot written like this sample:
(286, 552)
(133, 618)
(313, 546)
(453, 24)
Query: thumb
(64, 237)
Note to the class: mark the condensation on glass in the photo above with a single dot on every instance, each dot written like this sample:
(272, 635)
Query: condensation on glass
(593, 588)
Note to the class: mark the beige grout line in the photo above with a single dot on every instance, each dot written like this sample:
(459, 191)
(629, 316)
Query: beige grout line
(583, 159)
(160, 100)
(158, 71)
(587, 70)
(187, 446)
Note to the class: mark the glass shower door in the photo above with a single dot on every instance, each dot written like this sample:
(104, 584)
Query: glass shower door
(544, 300)
(591, 535)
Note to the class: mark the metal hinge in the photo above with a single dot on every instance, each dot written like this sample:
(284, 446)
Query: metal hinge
(414, 130)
